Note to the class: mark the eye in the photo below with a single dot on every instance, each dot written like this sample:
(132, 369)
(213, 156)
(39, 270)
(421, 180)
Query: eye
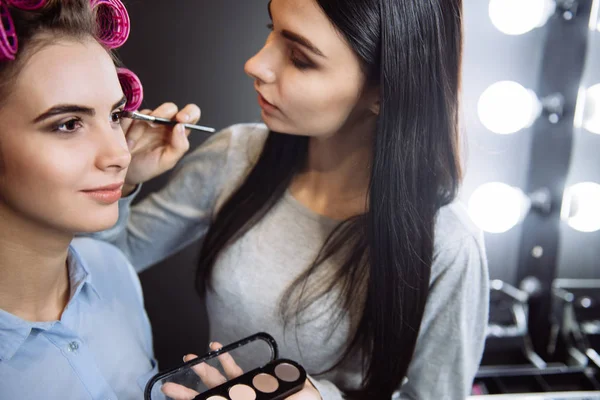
(299, 60)
(115, 116)
(69, 126)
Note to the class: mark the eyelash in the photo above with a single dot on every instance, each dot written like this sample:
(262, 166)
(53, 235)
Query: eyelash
(301, 65)
(78, 121)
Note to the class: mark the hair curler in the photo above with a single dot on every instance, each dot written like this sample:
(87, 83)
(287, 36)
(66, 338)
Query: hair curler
(8, 35)
(27, 4)
(112, 22)
(132, 88)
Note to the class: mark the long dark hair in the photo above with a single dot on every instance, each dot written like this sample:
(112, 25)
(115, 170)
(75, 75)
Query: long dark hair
(412, 51)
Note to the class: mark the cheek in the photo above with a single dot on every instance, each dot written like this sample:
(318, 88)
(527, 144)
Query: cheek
(38, 166)
(322, 101)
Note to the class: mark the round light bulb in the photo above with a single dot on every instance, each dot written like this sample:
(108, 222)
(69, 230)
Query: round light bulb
(497, 207)
(581, 206)
(506, 107)
(516, 17)
(591, 109)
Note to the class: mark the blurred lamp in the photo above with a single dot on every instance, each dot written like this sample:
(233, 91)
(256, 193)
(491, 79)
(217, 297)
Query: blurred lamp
(497, 207)
(516, 17)
(506, 107)
(581, 207)
(587, 114)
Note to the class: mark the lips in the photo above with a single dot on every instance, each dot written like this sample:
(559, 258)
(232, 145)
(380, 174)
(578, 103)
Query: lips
(265, 105)
(108, 194)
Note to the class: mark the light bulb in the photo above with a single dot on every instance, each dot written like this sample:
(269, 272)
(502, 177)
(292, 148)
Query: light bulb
(506, 107)
(591, 109)
(581, 206)
(516, 17)
(497, 207)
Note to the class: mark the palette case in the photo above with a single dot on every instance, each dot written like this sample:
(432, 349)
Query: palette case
(266, 376)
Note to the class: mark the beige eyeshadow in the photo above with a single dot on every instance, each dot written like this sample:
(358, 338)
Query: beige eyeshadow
(265, 383)
(287, 372)
(242, 392)
(216, 398)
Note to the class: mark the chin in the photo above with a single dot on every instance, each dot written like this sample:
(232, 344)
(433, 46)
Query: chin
(99, 221)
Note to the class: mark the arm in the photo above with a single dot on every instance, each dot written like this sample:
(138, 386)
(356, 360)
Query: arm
(452, 335)
(177, 215)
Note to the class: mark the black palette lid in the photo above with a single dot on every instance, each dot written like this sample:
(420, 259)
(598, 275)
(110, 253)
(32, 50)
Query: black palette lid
(250, 353)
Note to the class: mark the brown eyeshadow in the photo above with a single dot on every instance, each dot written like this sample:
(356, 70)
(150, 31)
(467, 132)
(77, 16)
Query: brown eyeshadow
(287, 372)
(265, 383)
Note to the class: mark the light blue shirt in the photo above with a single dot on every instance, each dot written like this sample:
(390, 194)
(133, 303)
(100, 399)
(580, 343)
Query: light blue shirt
(100, 349)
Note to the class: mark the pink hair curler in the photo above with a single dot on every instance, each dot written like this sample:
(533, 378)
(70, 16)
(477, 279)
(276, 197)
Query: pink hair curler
(113, 22)
(8, 35)
(132, 88)
(27, 4)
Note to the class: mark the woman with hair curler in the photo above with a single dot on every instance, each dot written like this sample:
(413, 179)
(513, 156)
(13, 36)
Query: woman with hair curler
(334, 226)
(72, 318)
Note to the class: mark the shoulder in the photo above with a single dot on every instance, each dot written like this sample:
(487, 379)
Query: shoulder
(238, 141)
(97, 253)
(110, 270)
(458, 243)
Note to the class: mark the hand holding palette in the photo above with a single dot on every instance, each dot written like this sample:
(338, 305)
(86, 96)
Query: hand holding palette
(267, 376)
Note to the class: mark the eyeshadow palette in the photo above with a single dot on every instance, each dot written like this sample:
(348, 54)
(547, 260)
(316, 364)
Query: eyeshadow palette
(265, 376)
(276, 380)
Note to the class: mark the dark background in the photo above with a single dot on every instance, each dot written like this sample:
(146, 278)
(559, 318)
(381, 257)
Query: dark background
(191, 52)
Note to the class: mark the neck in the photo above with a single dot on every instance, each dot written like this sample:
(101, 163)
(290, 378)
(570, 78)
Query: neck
(335, 179)
(34, 278)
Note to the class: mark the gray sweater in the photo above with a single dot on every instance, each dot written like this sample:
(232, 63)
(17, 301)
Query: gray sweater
(250, 276)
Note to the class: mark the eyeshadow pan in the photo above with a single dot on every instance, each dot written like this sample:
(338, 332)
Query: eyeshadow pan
(287, 372)
(216, 398)
(242, 392)
(265, 383)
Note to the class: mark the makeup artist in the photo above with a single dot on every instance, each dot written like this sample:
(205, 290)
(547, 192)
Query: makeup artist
(334, 226)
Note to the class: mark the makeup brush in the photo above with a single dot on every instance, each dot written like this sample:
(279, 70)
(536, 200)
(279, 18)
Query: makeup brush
(163, 121)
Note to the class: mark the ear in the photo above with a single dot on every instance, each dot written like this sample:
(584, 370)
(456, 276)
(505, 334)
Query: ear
(375, 107)
(373, 99)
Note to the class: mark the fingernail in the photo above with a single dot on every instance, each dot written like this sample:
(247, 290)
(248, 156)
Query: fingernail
(210, 345)
(184, 358)
(186, 117)
(130, 143)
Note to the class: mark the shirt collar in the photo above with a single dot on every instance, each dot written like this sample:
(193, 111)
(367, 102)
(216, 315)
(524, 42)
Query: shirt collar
(14, 331)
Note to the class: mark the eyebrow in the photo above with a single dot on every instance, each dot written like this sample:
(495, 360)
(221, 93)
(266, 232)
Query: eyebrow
(73, 108)
(297, 38)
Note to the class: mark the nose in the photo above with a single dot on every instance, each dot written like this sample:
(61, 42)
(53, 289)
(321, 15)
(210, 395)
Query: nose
(261, 67)
(113, 153)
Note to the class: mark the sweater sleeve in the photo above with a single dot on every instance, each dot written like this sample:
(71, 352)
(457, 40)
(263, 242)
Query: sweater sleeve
(452, 336)
(177, 215)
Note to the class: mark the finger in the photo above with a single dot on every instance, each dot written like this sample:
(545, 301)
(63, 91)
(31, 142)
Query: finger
(166, 110)
(134, 130)
(232, 370)
(209, 375)
(308, 392)
(189, 114)
(178, 392)
(176, 148)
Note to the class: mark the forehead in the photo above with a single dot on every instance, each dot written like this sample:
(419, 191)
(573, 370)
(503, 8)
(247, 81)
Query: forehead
(67, 72)
(306, 18)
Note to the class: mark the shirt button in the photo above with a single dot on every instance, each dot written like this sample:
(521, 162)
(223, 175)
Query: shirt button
(73, 347)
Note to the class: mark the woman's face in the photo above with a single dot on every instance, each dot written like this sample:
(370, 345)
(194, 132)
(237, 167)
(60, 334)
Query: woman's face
(63, 154)
(309, 80)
